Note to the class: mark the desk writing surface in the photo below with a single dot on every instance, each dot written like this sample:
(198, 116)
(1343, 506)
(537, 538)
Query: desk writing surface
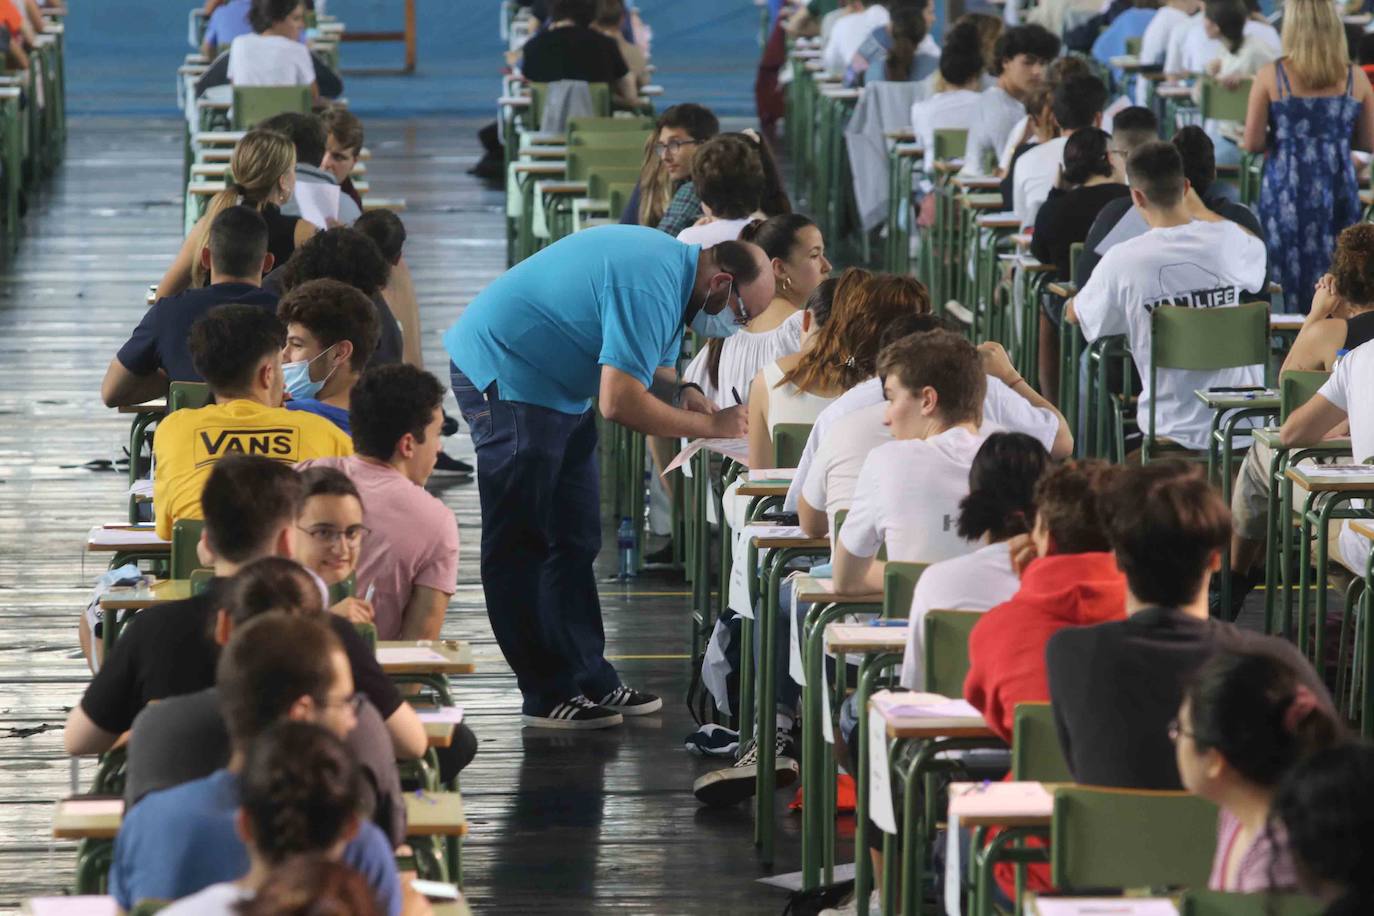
(141, 597)
(439, 734)
(81, 818)
(764, 488)
(1353, 478)
(1269, 435)
(863, 637)
(447, 656)
(1101, 906)
(114, 538)
(86, 905)
(155, 406)
(911, 714)
(1231, 400)
(435, 814)
(1011, 804)
(1362, 527)
(813, 590)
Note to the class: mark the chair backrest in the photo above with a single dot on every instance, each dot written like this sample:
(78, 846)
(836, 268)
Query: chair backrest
(253, 104)
(1296, 387)
(1206, 339)
(200, 580)
(187, 395)
(1035, 751)
(946, 650)
(1132, 45)
(789, 441)
(1219, 903)
(1075, 251)
(1222, 104)
(601, 181)
(605, 125)
(345, 589)
(950, 142)
(611, 139)
(185, 536)
(582, 161)
(1130, 838)
(899, 584)
(539, 93)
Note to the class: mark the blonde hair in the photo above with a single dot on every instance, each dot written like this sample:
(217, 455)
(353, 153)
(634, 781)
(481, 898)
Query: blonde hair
(1314, 45)
(655, 185)
(259, 162)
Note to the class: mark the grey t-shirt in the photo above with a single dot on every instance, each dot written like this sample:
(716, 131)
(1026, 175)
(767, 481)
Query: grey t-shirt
(184, 738)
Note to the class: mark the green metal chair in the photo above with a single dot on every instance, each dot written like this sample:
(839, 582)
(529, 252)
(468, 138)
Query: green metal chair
(1222, 104)
(1205, 339)
(606, 125)
(187, 395)
(1130, 838)
(899, 584)
(539, 92)
(1218, 903)
(254, 104)
(1035, 750)
(946, 650)
(789, 440)
(185, 536)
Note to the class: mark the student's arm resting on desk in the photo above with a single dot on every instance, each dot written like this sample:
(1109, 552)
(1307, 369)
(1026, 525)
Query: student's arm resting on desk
(624, 400)
(855, 575)
(814, 522)
(423, 615)
(1310, 423)
(122, 387)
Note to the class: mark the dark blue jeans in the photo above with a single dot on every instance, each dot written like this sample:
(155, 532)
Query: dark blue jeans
(539, 485)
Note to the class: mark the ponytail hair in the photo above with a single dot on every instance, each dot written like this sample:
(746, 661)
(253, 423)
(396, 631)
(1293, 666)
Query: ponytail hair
(301, 790)
(1001, 498)
(908, 27)
(259, 162)
(1254, 709)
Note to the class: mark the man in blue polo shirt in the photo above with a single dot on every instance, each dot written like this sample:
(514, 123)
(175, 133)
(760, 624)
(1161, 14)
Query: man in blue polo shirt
(158, 351)
(598, 315)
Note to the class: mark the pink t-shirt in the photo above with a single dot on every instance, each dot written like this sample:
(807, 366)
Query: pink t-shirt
(1266, 865)
(413, 539)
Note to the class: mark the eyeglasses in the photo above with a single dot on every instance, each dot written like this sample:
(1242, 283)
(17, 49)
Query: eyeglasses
(673, 146)
(1176, 731)
(353, 701)
(741, 315)
(328, 535)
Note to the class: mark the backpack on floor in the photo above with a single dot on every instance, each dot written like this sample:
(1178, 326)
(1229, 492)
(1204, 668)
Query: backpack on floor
(810, 903)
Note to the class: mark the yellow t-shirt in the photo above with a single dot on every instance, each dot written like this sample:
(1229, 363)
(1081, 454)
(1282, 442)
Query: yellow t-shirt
(189, 442)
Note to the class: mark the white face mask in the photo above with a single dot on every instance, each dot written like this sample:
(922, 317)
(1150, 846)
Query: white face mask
(722, 323)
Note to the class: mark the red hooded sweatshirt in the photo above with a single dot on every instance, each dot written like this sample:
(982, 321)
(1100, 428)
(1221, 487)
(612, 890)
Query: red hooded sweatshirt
(1007, 647)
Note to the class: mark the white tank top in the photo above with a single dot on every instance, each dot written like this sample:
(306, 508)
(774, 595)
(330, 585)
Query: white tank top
(787, 404)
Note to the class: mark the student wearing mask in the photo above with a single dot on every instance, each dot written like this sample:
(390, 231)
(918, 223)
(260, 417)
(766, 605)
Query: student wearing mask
(238, 351)
(331, 331)
(181, 840)
(236, 256)
(1246, 721)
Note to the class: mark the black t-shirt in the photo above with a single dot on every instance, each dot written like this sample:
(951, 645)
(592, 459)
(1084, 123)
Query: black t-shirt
(1065, 217)
(572, 53)
(389, 340)
(1116, 686)
(160, 340)
(169, 650)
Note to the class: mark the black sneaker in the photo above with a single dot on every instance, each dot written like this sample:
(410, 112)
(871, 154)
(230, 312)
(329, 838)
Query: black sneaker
(661, 557)
(630, 702)
(448, 466)
(449, 427)
(720, 788)
(576, 713)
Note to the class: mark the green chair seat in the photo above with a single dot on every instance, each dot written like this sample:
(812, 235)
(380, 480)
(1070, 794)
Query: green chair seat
(254, 104)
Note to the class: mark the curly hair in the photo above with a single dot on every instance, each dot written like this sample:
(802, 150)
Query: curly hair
(300, 790)
(332, 312)
(342, 254)
(845, 351)
(1352, 266)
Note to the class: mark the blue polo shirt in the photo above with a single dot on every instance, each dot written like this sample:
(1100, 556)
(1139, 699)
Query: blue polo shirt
(608, 296)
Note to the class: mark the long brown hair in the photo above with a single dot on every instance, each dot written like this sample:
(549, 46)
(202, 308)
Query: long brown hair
(259, 161)
(908, 29)
(845, 351)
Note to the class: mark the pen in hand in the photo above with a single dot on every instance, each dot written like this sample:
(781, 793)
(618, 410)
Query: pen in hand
(735, 391)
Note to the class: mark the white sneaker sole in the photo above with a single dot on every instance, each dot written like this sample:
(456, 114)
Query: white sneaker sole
(639, 709)
(571, 724)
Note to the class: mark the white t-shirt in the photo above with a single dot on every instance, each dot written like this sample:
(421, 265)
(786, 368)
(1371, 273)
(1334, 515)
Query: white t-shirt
(713, 233)
(1197, 50)
(1354, 373)
(1034, 174)
(1254, 53)
(977, 581)
(1154, 44)
(1003, 409)
(1180, 38)
(907, 497)
(1200, 265)
(956, 109)
(215, 900)
(848, 35)
(742, 355)
(834, 472)
(998, 113)
(269, 60)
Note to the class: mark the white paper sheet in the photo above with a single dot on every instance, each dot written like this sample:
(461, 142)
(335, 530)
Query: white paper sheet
(1000, 799)
(1103, 906)
(318, 202)
(827, 718)
(125, 537)
(794, 658)
(772, 474)
(737, 449)
(142, 487)
(841, 634)
(93, 807)
(449, 714)
(404, 655)
(880, 809)
(72, 906)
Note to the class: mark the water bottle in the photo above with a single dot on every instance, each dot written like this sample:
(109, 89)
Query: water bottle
(625, 548)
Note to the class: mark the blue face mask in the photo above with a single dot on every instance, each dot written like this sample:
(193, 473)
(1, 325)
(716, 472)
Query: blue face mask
(721, 324)
(297, 378)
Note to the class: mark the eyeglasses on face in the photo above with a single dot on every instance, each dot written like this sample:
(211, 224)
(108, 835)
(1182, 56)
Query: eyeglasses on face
(328, 535)
(672, 146)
